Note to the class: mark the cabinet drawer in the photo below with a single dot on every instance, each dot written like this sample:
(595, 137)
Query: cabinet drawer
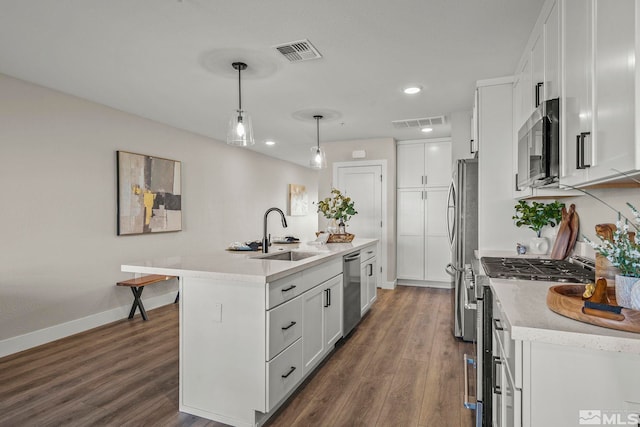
(323, 272)
(284, 373)
(368, 253)
(284, 326)
(284, 289)
(511, 349)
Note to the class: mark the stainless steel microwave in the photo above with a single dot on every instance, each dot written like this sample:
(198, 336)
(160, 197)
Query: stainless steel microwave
(539, 147)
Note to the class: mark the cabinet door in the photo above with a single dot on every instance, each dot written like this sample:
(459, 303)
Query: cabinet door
(410, 250)
(552, 53)
(313, 327)
(614, 142)
(410, 171)
(372, 281)
(332, 312)
(437, 160)
(437, 249)
(526, 90)
(537, 72)
(364, 287)
(576, 84)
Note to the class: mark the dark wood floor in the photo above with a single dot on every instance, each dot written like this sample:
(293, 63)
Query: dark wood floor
(401, 367)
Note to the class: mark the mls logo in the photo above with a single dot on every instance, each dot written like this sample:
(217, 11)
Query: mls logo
(590, 417)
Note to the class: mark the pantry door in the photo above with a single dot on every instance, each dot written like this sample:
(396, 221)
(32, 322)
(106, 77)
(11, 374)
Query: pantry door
(364, 183)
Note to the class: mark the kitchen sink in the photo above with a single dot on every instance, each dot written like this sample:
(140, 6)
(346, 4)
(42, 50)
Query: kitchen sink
(286, 256)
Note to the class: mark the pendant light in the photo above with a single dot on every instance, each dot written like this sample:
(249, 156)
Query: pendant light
(240, 131)
(318, 158)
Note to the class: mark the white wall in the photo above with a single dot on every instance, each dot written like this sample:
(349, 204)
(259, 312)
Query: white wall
(61, 256)
(376, 149)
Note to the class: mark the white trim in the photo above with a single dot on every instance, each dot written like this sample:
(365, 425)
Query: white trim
(382, 245)
(496, 81)
(425, 284)
(42, 336)
(423, 140)
(388, 285)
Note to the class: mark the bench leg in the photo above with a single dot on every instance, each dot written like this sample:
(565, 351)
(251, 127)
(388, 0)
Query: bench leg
(137, 303)
(177, 298)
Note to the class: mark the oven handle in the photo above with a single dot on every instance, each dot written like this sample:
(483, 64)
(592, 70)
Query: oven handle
(468, 361)
(468, 305)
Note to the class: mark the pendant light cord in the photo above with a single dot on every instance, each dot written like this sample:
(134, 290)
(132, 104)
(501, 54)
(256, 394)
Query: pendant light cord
(239, 90)
(318, 131)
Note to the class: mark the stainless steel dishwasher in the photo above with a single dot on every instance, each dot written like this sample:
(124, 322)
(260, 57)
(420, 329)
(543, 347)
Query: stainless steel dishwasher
(351, 292)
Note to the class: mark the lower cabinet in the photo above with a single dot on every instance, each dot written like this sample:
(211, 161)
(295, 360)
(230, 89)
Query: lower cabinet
(322, 321)
(368, 282)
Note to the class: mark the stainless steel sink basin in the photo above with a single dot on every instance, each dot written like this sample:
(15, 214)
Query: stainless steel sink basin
(286, 256)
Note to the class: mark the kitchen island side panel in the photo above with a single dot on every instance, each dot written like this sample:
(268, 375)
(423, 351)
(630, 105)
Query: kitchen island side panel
(222, 342)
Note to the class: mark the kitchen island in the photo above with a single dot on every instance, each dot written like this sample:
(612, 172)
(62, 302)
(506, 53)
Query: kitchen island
(252, 329)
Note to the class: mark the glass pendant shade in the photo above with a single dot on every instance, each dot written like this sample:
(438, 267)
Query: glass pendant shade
(318, 158)
(240, 131)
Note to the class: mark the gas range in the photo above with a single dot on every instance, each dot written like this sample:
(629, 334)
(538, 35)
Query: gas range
(575, 270)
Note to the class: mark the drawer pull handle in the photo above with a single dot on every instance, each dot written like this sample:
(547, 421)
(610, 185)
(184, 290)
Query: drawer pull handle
(290, 288)
(497, 325)
(284, 328)
(293, 368)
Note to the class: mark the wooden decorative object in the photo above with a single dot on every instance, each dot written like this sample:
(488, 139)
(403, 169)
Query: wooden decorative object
(567, 233)
(338, 238)
(567, 300)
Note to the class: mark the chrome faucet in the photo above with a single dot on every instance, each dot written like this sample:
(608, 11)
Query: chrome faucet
(265, 237)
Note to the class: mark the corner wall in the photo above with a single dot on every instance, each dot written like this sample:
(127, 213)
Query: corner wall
(61, 256)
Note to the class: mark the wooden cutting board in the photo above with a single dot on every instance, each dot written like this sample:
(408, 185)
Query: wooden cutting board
(566, 237)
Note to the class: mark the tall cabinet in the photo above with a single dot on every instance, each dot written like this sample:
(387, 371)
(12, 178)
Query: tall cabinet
(424, 174)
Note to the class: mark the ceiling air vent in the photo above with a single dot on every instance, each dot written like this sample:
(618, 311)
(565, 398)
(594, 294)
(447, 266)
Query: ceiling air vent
(419, 123)
(301, 50)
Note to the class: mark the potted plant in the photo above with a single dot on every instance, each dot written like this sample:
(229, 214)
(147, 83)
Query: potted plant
(338, 208)
(536, 216)
(623, 252)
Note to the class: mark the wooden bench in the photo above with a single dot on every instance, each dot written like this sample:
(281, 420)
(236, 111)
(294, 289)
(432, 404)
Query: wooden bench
(137, 285)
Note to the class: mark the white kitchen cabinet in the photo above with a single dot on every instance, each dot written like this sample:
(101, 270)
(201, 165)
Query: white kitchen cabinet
(424, 164)
(322, 321)
(423, 247)
(599, 91)
(552, 80)
(368, 284)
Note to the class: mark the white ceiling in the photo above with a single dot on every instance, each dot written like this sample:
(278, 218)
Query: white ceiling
(170, 60)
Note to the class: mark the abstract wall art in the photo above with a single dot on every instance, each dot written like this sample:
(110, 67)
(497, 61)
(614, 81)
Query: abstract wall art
(298, 200)
(149, 194)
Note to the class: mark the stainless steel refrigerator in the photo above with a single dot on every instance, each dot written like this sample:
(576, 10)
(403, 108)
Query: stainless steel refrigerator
(462, 224)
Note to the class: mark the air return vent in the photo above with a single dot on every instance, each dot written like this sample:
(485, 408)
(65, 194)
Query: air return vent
(301, 50)
(419, 123)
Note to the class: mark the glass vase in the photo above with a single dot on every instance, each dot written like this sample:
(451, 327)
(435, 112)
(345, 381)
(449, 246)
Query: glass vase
(624, 284)
(332, 226)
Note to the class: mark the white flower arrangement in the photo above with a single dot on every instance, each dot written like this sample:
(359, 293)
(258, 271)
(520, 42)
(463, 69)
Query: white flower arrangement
(623, 251)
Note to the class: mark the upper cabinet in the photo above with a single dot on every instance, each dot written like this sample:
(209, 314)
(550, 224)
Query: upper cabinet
(583, 52)
(537, 77)
(424, 164)
(598, 112)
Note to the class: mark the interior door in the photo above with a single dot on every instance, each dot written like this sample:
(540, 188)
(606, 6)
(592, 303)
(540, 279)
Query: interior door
(364, 185)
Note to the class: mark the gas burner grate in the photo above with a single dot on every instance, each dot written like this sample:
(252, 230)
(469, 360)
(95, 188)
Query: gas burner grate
(549, 270)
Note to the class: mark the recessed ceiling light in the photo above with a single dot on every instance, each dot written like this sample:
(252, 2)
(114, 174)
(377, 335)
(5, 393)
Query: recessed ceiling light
(269, 142)
(426, 130)
(412, 90)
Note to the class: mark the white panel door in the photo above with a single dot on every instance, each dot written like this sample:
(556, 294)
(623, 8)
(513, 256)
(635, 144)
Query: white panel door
(437, 249)
(313, 327)
(410, 238)
(437, 160)
(411, 157)
(363, 183)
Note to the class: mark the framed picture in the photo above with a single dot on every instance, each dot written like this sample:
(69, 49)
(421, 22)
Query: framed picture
(298, 200)
(149, 194)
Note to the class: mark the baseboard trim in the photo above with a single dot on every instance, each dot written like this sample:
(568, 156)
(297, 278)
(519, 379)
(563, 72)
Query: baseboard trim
(388, 285)
(43, 336)
(425, 284)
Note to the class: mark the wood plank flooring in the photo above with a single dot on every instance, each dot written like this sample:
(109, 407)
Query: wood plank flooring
(400, 367)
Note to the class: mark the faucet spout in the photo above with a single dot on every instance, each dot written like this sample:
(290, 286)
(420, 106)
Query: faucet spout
(265, 236)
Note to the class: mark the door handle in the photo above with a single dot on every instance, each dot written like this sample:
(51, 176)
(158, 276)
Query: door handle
(326, 298)
(538, 86)
(580, 164)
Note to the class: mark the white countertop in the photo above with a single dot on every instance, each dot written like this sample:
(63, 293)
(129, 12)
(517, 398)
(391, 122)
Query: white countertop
(241, 266)
(525, 305)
